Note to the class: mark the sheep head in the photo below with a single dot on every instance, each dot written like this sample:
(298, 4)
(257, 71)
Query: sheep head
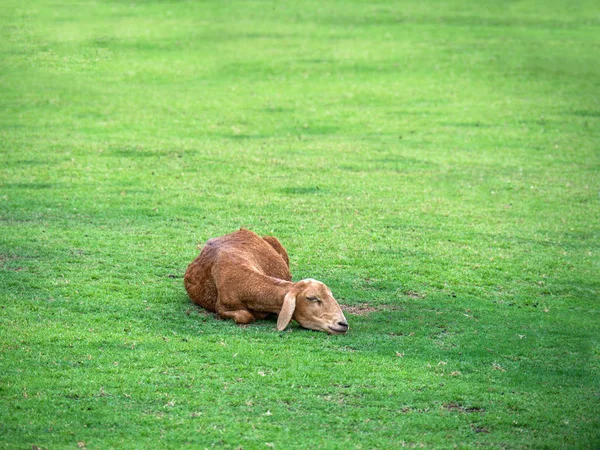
(310, 303)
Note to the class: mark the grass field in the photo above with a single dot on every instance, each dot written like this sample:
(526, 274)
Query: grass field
(437, 164)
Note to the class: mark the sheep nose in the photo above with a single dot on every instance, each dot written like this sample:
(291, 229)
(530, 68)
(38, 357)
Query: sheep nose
(343, 324)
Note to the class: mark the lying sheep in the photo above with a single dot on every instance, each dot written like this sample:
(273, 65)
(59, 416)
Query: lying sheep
(244, 277)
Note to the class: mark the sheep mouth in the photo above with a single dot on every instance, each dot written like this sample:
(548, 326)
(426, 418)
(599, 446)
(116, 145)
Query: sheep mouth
(338, 330)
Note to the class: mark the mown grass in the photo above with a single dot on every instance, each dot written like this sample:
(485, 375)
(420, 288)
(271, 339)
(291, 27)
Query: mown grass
(437, 161)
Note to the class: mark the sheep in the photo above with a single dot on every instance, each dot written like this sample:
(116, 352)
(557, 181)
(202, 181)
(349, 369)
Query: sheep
(244, 277)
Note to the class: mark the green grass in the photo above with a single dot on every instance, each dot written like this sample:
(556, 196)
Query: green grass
(438, 161)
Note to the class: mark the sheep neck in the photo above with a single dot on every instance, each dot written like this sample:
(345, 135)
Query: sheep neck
(271, 295)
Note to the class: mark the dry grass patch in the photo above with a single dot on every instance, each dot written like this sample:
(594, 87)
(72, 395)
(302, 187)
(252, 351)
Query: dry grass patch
(362, 309)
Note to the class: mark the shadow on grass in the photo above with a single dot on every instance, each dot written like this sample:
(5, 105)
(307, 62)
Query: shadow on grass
(29, 186)
(302, 190)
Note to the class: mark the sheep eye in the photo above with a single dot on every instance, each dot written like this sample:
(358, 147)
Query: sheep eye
(312, 299)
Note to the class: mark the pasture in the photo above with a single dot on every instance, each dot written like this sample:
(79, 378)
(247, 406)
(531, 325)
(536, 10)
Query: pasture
(435, 163)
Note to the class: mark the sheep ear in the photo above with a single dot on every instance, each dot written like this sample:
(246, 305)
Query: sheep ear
(287, 310)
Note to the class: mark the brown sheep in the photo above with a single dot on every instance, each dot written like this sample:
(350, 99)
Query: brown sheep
(244, 277)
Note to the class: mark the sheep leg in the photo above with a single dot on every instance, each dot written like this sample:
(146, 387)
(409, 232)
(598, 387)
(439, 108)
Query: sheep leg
(241, 316)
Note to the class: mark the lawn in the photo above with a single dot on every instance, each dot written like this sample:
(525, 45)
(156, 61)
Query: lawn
(437, 164)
